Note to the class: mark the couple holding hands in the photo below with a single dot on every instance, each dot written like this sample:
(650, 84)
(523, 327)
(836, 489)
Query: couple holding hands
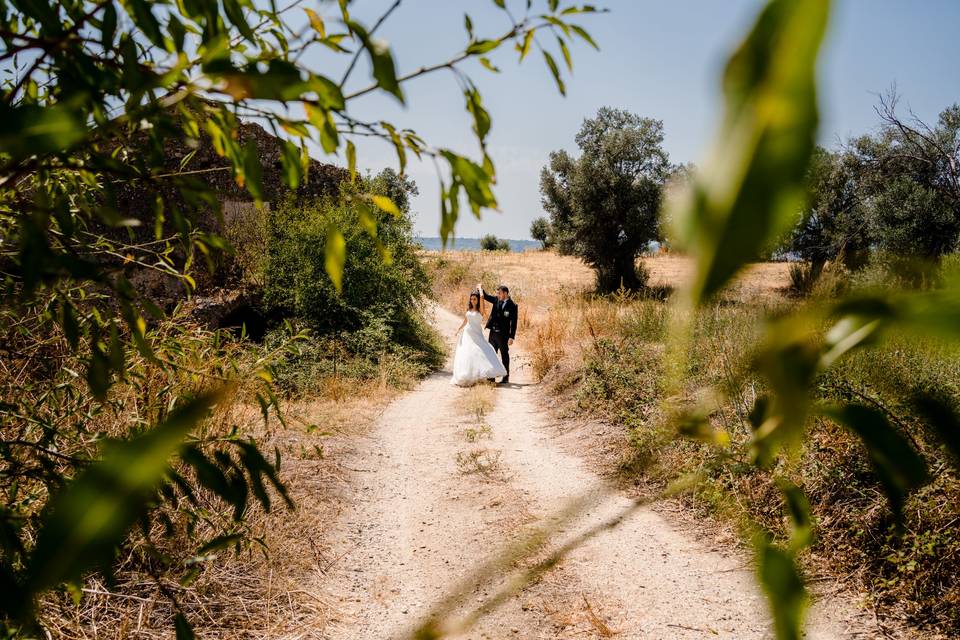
(476, 356)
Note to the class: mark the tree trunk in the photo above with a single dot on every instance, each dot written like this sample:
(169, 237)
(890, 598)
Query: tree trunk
(619, 271)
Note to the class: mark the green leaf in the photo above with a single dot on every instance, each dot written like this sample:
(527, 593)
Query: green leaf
(89, 518)
(177, 32)
(352, 160)
(552, 65)
(183, 628)
(560, 24)
(753, 184)
(397, 144)
(525, 47)
(33, 130)
(784, 589)
(235, 14)
(848, 333)
(316, 22)
(797, 508)
(329, 95)
(481, 119)
(566, 54)
(220, 542)
(898, 465)
(482, 46)
(142, 16)
(290, 163)
(108, 26)
(586, 37)
(367, 220)
(336, 256)
(386, 204)
(789, 360)
(326, 127)
(384, 69)
(475, 180)
(489, 65)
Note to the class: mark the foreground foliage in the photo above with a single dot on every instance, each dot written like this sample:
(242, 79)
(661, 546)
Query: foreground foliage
(98, 92)
(745, 197)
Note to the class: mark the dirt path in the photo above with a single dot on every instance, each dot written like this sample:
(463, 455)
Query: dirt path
(430, 505)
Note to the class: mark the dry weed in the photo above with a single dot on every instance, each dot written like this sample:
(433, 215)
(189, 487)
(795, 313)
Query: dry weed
(485, 462)
(472, 434)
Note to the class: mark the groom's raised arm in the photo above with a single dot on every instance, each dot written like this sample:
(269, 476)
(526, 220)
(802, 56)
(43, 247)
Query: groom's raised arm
(486, 296)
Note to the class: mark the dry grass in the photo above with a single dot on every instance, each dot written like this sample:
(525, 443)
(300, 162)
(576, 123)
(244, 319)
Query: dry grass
(538, 280)
(477, 401)
(269, 590)
(558, 315)
(482, 461)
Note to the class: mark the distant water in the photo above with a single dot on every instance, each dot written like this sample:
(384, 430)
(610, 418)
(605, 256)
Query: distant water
(472, 244)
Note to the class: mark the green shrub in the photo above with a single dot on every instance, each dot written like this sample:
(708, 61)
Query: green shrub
(491, 242)
(376, 318)
(296, 284)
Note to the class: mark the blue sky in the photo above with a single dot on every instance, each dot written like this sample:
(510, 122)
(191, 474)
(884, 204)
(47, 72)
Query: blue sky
(659, 59)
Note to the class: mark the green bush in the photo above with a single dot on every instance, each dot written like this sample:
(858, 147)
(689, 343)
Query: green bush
(491, 242)
(296, 284)
(378, 310)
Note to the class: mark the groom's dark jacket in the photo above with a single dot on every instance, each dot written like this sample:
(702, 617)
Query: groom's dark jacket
(503, 318)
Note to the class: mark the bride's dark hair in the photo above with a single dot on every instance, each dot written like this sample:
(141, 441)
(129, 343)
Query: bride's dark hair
(470, 305)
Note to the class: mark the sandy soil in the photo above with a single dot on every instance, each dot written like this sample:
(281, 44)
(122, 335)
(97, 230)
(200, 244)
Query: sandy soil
(423, 515)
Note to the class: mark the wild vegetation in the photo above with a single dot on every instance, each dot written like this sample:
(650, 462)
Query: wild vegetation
(136, 441)
(132, 459)
(601, 358)
(896, 191)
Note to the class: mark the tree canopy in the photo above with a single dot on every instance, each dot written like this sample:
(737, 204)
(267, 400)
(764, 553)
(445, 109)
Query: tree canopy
(604, 204)
(541, 231)
(896, 191)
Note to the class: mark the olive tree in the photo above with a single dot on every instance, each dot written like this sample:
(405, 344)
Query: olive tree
(541, 231)
(897, 191)
(604, 204)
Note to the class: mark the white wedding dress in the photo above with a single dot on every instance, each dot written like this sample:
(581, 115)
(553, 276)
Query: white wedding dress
(475, 358)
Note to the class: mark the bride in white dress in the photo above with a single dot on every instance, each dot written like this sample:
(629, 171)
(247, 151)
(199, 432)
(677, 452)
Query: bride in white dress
(475, 358)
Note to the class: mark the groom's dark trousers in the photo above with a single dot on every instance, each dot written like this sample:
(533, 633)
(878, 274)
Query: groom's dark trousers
(501, 344)
(503, 326)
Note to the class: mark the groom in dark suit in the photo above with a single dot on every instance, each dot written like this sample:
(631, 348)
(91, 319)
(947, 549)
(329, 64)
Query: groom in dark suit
(502, 324)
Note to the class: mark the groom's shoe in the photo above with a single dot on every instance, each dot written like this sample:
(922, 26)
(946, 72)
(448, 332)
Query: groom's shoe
(493, 380)
(505, 380)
